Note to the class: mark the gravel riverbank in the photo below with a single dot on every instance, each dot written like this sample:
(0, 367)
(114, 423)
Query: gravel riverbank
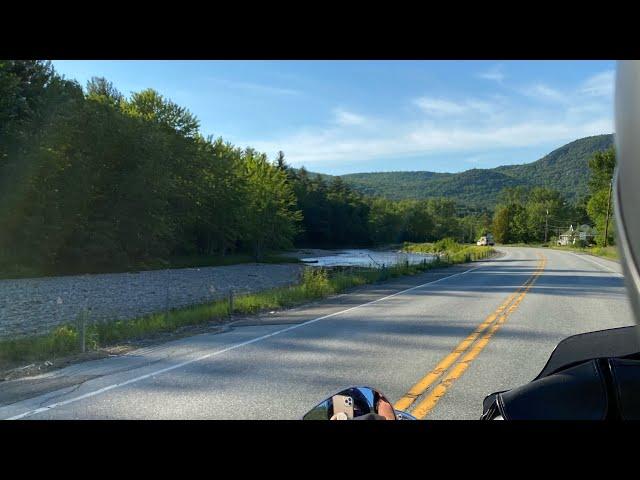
(36, 305)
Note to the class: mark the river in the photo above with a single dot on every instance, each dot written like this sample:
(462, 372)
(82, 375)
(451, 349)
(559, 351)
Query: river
(365, 258)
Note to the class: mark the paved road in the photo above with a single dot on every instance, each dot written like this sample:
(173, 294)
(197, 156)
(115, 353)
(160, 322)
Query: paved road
(390, 337)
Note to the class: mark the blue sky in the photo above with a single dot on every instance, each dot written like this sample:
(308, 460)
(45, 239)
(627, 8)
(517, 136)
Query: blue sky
(353, 116)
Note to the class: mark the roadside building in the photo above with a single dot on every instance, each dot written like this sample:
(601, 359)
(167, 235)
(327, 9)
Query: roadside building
(583, 235)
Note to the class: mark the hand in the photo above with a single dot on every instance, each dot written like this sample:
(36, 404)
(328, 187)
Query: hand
(370, 416)
(340, 416)
(386, 410)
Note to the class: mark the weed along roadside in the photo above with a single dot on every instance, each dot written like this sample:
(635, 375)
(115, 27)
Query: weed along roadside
(83, 335)
(610, 252)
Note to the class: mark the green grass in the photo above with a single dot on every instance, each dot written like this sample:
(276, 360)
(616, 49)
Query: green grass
(610, 252)
(446, 245)
(63, 340)
(314, 284)
(418, 247)
(606, 252)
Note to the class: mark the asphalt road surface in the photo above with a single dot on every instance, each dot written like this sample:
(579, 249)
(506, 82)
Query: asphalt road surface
(447, 337)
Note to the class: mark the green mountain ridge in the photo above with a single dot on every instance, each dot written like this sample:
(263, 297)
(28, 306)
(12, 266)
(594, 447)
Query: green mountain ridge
(564, 169)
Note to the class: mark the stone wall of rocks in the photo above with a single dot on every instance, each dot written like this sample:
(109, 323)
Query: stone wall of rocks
(37, 305)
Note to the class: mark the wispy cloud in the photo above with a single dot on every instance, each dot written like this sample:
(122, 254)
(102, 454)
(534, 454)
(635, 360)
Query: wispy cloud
(544, 92)
(346, 118)
(444, 107)
(438, 106)
(256, 88)
(599, 85)
(495, 74)
(478, 159)
(450, 125)
(334, 147)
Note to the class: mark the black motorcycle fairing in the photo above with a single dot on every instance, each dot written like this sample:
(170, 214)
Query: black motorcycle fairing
(604, 347)
(577, 393)
(626, 379)
(597, 389)
(614, 342)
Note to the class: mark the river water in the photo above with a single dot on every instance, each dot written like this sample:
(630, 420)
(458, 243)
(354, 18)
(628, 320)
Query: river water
(366, 258)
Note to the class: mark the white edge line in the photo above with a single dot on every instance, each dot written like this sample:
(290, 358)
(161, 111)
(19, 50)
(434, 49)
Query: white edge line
(585, 257)
(232, 347)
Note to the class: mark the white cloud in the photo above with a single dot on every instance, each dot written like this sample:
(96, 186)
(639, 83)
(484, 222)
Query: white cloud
(544, 92)
(495, 74)
(480, 158)
(450, 125)
(256, 87)
(443, 107)
(335, 146)
(599, 85)
(345, 118)
(440, 107)
(519, 134)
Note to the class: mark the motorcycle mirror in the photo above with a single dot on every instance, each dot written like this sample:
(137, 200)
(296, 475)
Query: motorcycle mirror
(351, 403)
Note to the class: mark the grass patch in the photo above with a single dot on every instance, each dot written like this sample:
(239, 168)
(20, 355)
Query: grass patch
(62, 341)
(445, 246)
(610, 252)
(606, 252)
(314, 284)
(425, 248)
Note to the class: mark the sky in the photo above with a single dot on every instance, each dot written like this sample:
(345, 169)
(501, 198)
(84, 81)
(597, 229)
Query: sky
(341, 117)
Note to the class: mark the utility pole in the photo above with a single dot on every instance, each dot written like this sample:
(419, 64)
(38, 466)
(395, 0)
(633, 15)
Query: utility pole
(546, 226)
(606, 225)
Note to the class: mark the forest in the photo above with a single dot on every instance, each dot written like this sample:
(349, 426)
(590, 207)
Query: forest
(565, 169)
(93, 180)
(528, 215)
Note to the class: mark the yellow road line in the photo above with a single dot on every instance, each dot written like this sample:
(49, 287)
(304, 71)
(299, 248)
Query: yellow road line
(419, 388)
(424, 383)
(440, 390)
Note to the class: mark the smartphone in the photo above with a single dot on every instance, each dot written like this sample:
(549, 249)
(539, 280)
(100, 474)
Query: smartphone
(343, 403)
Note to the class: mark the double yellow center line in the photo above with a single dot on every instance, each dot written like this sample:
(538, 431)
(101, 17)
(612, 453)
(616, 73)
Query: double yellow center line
(472, 345)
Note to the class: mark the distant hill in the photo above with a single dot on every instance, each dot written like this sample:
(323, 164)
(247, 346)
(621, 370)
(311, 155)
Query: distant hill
(565, 169)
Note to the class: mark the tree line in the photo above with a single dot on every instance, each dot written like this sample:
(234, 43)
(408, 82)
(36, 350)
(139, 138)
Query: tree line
(599, 205)
(334, 214)
(530, 215)
(91, 179)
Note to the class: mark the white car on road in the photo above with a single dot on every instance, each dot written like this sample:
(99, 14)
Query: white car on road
(485, 240)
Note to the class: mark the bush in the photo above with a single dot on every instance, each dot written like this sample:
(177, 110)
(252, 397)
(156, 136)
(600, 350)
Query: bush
(447, 245)
(64, 340)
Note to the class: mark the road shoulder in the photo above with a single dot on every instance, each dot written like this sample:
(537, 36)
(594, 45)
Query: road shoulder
(23, 388)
